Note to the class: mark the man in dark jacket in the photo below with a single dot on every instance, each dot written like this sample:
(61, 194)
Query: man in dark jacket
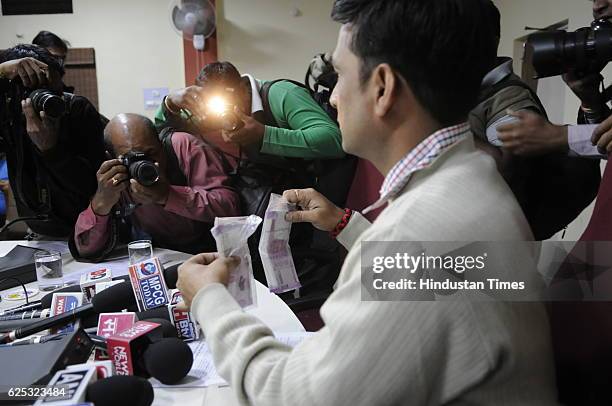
(52, 161)
(551, 187)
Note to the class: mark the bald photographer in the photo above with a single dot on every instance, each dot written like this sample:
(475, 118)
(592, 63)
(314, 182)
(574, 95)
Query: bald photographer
(167, 187)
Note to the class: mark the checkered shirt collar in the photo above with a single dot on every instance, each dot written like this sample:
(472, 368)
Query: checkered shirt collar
(417, 159)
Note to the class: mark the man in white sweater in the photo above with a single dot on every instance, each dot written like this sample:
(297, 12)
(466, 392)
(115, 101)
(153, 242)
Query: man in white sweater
(409, 73)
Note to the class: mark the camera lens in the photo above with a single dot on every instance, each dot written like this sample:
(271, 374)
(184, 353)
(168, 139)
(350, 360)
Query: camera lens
(44, 100)
(145, 172)
(230, 122)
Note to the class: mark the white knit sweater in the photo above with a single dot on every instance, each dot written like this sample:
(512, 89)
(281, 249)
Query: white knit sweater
(400, 353)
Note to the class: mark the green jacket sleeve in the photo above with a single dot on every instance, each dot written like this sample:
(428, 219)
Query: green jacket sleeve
(306, 131)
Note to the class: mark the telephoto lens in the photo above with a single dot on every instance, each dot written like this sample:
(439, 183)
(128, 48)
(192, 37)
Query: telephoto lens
(45, 100)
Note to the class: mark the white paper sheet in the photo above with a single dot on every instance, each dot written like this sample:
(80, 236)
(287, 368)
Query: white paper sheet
(204, 373)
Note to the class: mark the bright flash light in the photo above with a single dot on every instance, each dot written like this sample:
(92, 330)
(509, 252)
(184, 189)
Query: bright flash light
(217, 105)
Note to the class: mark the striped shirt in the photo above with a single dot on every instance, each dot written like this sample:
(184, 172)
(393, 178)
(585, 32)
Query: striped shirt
(417, 159)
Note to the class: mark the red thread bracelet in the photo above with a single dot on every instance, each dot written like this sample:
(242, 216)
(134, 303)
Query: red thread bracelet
(342, 223)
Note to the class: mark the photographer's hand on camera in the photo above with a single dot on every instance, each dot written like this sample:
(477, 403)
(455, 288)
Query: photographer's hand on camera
(532, 134)
(190, 98)
(43, 130)
(586, 88)
(602, 136)
(112, 180)
(252, 132)
(155, 194)
(32, 72)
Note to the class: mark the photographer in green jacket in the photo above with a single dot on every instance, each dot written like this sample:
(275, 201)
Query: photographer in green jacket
(280, 118)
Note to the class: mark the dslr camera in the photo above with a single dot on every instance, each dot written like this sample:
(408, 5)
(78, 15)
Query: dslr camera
(52, 104)
(220, 114)
(141, 168)
(585, 51)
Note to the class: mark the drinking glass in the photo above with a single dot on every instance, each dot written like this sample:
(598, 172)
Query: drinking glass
(49, 270)
(139, 251)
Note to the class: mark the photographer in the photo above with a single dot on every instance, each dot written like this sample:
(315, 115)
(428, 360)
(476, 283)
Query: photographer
(531, 134)
(541, 179)
(280, 119)
(52, 43)
(169, 191)
(53, 141)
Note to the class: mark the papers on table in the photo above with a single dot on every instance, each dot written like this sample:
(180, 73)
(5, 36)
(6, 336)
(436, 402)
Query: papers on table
(61, 246)
(203, 372)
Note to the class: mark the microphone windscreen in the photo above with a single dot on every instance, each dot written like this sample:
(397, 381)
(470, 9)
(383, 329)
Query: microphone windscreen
(120, 390)
(169, 360)
(171, 276)
(124, 278)
(157, 313)
(168, 330)
(46, 299)
(114, 299)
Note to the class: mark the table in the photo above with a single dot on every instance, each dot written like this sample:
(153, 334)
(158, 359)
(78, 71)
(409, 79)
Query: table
(270, 309)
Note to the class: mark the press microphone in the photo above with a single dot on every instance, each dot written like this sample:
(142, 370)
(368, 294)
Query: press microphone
(33, 314)
(171, 275)
(46, 299)
(110, 300)
(74, 383)
(141, 351)
(120, 390)
(184, 325)
(167, 328)
(81, 383)
(168, 360)
(149, 285)
(22, 308)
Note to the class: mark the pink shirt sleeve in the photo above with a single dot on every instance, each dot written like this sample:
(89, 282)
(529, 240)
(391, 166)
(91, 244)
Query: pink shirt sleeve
(91, 232)
(209, 193)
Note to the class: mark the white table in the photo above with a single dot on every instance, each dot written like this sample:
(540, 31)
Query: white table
(270, 309)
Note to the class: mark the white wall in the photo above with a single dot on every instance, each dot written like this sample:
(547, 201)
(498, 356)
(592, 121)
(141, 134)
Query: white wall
(135, 45)
(261, 37)
(516, 15)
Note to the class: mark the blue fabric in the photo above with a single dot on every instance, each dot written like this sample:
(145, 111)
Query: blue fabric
(3, 176)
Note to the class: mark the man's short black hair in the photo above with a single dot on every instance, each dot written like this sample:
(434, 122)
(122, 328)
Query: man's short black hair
(440, 47)
(219, 72)
(47, 39)
(32, 51)
(493, 17)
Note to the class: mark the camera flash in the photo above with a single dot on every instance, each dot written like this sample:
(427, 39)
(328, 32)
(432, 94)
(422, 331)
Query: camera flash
(217, 105)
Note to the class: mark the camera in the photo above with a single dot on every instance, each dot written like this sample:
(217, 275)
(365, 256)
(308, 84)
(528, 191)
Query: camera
(221, 115)
(45, 100)
(584, 51)
(141, 168)
(230, 121)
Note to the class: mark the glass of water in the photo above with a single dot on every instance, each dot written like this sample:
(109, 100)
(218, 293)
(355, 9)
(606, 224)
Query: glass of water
(49, 270)
(140, 251)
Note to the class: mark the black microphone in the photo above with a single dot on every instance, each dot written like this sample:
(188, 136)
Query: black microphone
(169, 360)
(168, 329)
(114, 299)
(120, 390)
(23, 308)
(141, 351)
(31, 314)
(171, 275)
(45, 301)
